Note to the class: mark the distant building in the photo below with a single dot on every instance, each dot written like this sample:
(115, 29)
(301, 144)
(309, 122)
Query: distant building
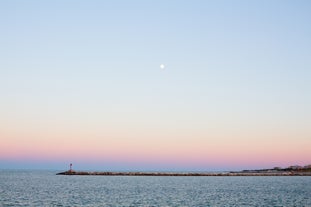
(307, 167)
(296, 167)
(277, 168)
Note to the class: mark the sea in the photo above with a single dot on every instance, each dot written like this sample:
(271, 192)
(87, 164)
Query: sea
(45, 188)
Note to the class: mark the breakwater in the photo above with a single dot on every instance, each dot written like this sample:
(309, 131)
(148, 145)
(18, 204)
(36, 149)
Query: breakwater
(292, 173)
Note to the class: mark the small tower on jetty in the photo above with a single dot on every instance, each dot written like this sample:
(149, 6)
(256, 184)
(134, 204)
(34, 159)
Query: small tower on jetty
(70, 167)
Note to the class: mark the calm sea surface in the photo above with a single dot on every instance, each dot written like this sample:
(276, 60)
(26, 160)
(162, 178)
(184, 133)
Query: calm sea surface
(44, 188)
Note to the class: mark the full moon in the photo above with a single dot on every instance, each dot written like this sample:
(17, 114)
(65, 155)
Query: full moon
(162, 66)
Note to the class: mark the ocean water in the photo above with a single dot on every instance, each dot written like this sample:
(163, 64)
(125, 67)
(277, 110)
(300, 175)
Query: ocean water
(44, 188)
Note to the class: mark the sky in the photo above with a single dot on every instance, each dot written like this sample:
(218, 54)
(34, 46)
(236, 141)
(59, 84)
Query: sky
(81, 83)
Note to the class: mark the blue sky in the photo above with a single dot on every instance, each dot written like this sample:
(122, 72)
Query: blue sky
(230, 66)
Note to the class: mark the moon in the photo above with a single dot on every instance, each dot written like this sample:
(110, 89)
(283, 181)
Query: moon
(162, 66)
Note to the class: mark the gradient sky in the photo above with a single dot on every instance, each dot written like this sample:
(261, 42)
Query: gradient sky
(80, 82)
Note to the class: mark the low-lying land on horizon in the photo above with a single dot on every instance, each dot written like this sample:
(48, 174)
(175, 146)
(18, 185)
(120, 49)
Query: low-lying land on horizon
(277, 171)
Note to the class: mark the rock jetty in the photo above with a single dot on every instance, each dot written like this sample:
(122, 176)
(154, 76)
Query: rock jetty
(290, 171)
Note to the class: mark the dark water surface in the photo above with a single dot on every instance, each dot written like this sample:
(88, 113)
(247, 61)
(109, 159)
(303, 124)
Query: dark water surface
(44, 188)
